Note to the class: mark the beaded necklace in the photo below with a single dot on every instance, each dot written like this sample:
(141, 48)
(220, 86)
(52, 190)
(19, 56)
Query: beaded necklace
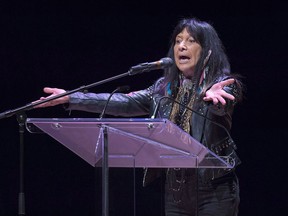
(180, 114)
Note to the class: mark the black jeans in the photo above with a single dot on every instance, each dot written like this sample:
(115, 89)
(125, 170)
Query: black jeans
(187, 194)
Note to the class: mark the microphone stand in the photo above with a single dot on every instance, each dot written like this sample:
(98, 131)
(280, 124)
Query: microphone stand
(21, 118)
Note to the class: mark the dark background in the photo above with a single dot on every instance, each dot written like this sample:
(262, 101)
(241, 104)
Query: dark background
(68, 44)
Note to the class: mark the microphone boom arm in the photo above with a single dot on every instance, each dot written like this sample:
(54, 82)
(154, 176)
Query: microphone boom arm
(164, 62)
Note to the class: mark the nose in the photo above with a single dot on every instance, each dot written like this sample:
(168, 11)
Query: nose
(182, 46)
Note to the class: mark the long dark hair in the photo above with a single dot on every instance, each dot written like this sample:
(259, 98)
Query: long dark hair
(204, 34)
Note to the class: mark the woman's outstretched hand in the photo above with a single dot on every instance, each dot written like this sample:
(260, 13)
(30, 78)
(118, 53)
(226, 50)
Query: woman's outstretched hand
(53, 92)
(216, 94)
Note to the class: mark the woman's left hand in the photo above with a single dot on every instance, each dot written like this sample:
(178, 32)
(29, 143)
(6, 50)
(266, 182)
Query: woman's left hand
(217, 94)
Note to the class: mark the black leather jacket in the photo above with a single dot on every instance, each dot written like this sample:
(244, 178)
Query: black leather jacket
(210, 123)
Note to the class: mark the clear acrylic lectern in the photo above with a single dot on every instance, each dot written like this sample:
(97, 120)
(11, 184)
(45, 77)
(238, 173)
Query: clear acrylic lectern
(124, 142)
(133, 142)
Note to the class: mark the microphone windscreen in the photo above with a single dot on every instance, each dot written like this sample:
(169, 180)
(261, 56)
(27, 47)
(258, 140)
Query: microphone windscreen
(167, 62)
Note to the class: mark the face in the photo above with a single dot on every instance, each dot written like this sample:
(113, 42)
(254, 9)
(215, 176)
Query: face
(186, 53)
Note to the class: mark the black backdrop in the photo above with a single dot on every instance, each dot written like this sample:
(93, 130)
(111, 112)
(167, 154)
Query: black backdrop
(68, 44)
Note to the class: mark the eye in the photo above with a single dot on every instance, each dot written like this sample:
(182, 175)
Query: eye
(178, 41)
(192, 40)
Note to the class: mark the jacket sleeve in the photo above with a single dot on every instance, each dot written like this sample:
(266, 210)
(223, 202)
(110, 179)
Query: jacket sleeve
(136, 103)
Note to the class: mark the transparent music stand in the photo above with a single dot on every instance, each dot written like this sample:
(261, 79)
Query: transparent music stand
(130, 142)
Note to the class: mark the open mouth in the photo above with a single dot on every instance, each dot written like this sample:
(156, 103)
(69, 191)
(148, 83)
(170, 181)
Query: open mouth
(183, 59)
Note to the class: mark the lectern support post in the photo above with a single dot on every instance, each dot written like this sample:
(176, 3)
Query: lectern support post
(105, 174)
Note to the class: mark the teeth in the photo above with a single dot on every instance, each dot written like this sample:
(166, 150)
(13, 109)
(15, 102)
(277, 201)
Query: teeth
(183, 60)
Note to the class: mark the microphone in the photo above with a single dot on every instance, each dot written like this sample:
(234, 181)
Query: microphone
(118, 89)
(148, 66)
